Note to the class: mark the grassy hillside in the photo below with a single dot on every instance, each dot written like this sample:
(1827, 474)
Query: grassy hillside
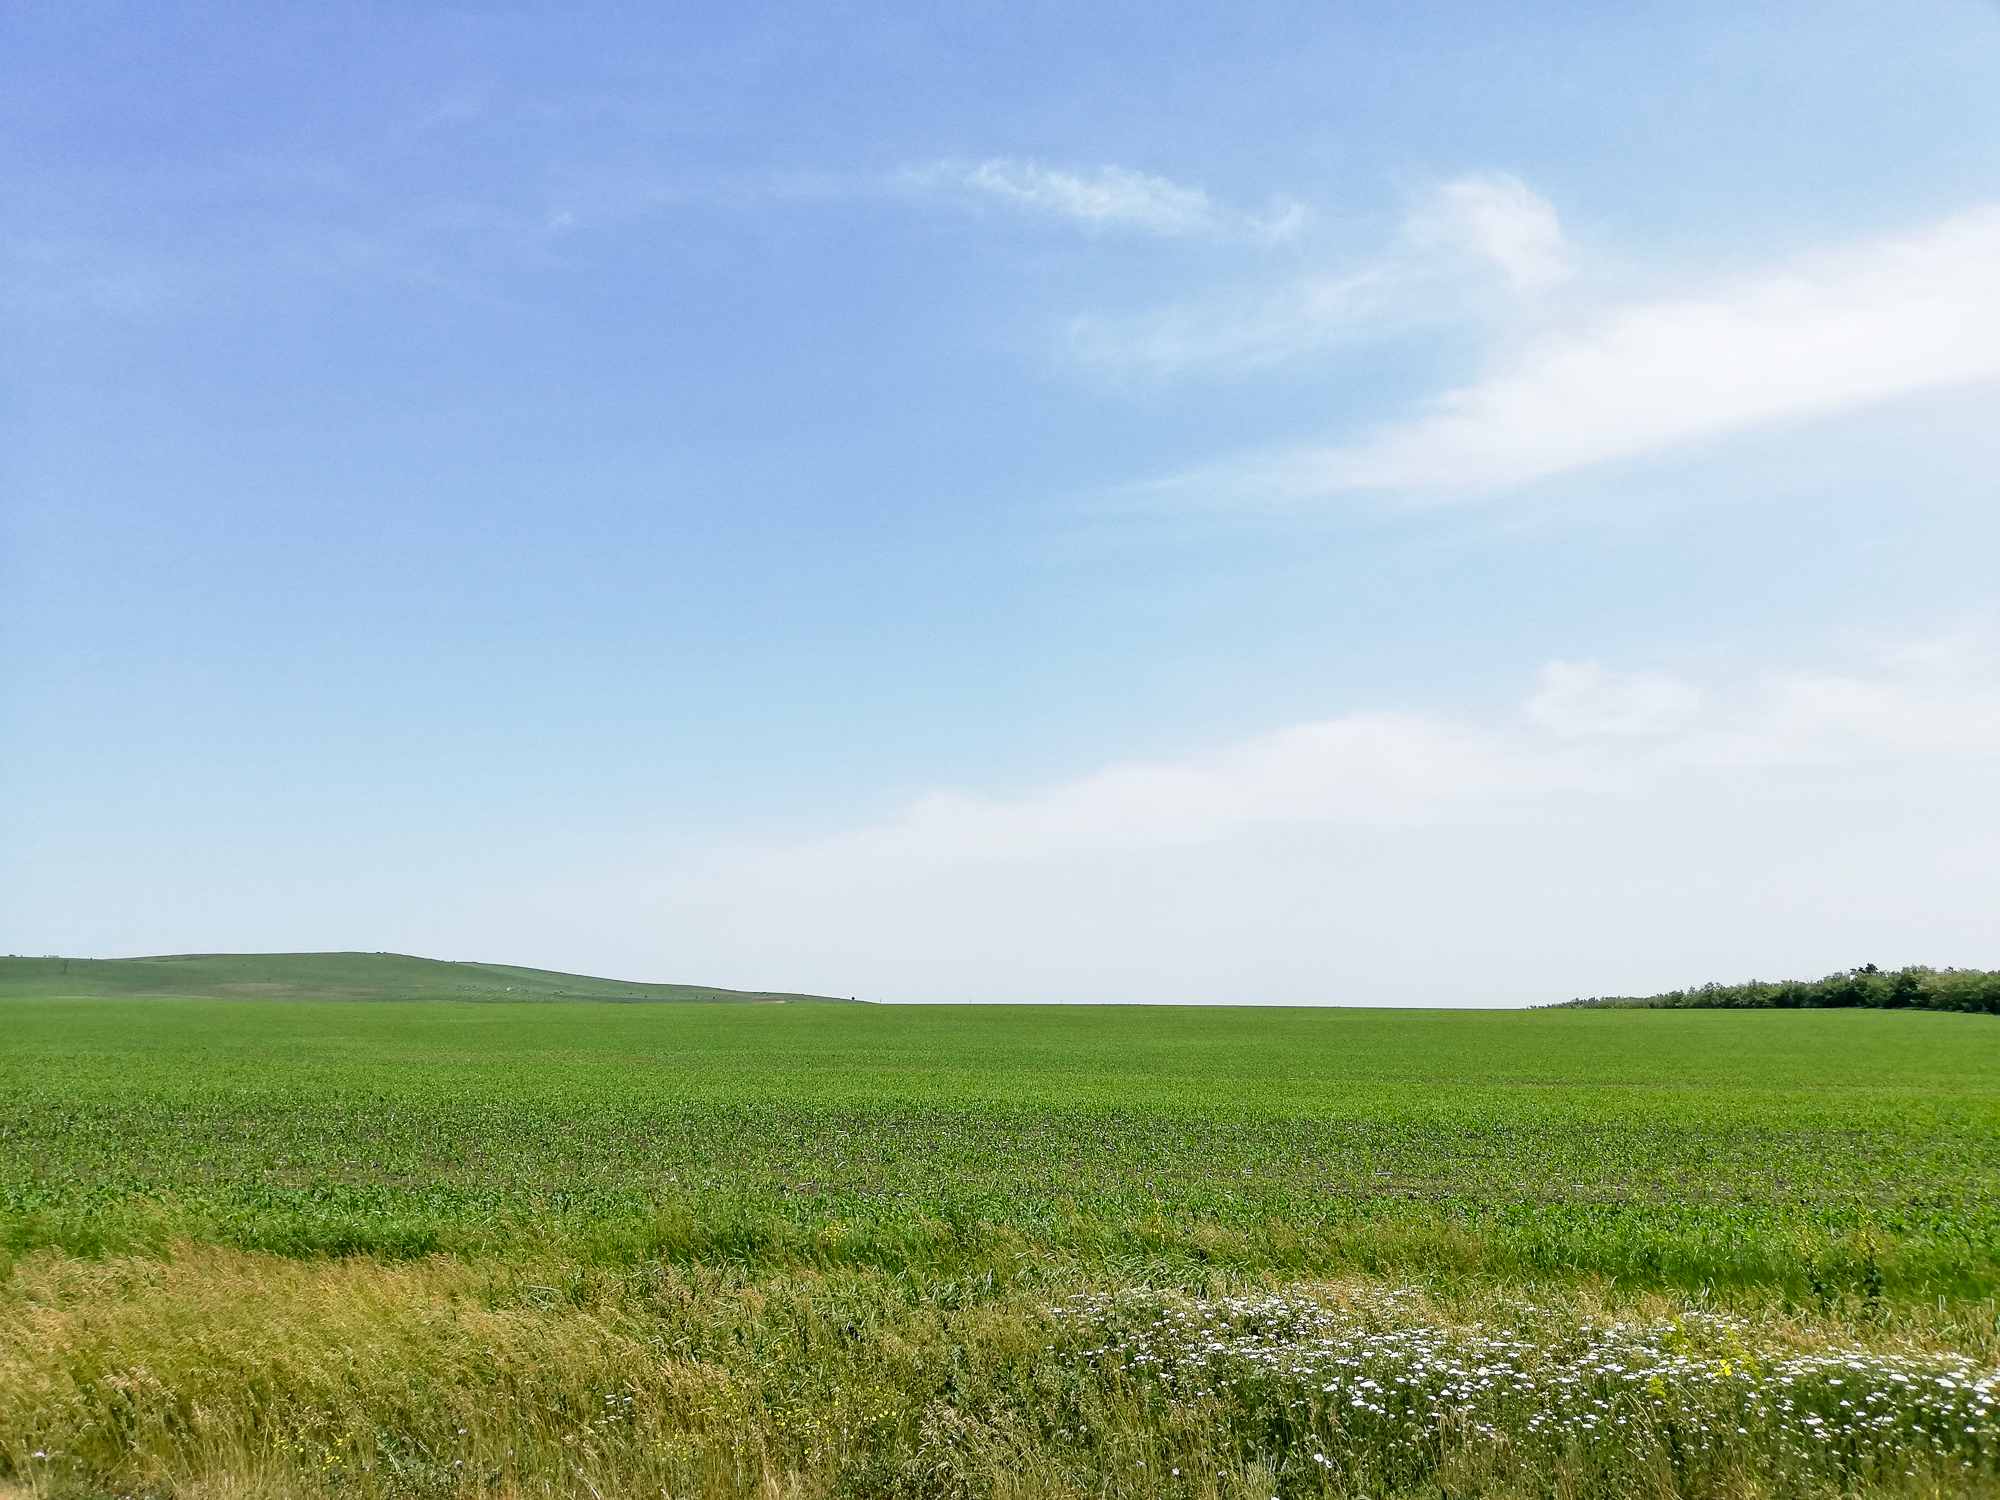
(335, 976)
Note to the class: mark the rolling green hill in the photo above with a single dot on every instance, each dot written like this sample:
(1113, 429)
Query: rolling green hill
(337, 976)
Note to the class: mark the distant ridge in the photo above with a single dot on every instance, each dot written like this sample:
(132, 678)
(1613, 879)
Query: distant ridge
(344, 976)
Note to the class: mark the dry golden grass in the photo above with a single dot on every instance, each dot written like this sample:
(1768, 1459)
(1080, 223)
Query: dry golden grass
(215, 1374)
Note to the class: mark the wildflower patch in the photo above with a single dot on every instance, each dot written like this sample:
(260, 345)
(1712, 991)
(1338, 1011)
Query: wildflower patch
(1364, 1378)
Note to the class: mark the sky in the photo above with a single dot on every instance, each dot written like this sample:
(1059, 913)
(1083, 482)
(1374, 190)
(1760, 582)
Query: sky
(1335, 503)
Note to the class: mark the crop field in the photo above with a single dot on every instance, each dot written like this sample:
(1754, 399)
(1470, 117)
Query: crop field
(301, 1247)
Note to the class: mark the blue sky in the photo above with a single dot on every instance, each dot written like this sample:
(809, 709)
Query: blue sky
(1348, 503)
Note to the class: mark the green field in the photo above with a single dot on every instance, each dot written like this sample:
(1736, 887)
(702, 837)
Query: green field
(839, 1230)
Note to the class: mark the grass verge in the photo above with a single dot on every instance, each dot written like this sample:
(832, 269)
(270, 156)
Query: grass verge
(211, 1371)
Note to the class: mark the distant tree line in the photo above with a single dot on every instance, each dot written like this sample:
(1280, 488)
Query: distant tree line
(1868, 988)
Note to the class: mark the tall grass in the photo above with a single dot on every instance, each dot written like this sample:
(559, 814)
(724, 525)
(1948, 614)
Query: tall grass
(215, 1372)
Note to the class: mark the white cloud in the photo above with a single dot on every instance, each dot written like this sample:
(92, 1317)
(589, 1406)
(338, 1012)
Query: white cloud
(1578, 699)
(1585, 730)
(1617, 833)
(1439, 268)
(1832, 332)
(1499, 219)
(1110, 197)
(1365, 768)
(1806, 719)
(1257, 329)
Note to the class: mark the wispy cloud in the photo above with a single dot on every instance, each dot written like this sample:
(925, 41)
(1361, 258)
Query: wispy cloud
(1499, 220)
(1584, 730)
(1111, 196)
(1238, 332)
(1470, 248)
(1828, 333)
(1108, 197)
(1364, 768)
